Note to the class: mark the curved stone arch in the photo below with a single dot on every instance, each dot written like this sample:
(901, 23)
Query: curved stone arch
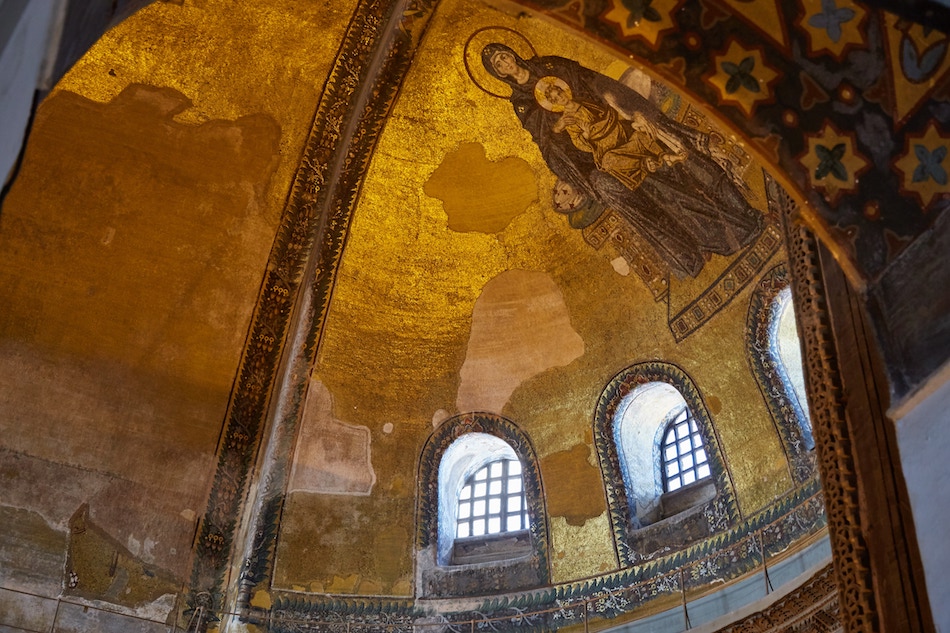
(770, 296)
(612, 402)
(427, 499)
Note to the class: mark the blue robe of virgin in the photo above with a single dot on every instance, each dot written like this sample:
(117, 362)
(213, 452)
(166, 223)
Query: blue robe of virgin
(684, 211)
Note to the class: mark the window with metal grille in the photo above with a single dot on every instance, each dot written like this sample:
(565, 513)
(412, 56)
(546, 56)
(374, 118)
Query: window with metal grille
(492, 501)
(787, 353)
(684, 457)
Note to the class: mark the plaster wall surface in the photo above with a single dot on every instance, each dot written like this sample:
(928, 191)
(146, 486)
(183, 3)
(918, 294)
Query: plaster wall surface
(923, 435)
(132, 248)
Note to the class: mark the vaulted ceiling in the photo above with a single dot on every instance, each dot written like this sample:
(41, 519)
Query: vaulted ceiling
(257, 256)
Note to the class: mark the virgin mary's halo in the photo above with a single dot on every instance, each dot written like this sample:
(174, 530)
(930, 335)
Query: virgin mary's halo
(472, 56)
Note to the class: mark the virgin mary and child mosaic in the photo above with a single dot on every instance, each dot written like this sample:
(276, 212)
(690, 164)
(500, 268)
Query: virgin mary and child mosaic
(612, 148)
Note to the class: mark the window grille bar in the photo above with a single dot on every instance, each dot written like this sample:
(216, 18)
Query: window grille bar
(491, 512)
(682, 453)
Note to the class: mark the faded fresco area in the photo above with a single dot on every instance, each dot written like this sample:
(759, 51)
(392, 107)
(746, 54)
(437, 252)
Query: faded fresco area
(132, 247)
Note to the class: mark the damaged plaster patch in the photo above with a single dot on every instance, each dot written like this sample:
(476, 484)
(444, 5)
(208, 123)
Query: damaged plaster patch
(99, 567)
(481, 195)
(440, 416)
(158, 610)
(332, 457)
(520, 328)
(108, 616)
(142, 549)
(578, 481)
(31, 552)
(620, 265)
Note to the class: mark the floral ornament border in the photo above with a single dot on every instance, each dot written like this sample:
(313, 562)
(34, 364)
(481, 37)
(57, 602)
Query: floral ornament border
(725, 556)
(427, 500)
(770, 378)
(305, 255)
(607, 405)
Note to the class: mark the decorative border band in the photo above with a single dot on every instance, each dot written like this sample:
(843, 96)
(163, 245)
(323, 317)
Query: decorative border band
(427, 499)
(774, 386)
(726, 556)
(357, 96)
(739, 273)
(833, 444)
(610, 400)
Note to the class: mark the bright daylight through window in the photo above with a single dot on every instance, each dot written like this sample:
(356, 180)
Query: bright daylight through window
(492, 501)
(684, 458)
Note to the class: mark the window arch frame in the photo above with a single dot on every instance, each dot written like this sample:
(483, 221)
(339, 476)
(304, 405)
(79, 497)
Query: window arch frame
(614, 399)
(788, 417)
(428, 496)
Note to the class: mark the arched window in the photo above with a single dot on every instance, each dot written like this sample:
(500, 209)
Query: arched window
(492, 501)
(481, 509)
(787, 353)
(683, 454)
(775, 356)
(480, 478)
(660, 456)
(658, 444)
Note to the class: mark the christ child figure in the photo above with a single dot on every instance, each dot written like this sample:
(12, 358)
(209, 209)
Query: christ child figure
(629, 150)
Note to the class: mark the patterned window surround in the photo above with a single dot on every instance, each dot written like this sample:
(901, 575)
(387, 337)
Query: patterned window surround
(769, 298)
(633, 541)
(431, 542)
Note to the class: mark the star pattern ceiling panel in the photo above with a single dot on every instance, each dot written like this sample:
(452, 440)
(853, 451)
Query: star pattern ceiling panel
(787, 73)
